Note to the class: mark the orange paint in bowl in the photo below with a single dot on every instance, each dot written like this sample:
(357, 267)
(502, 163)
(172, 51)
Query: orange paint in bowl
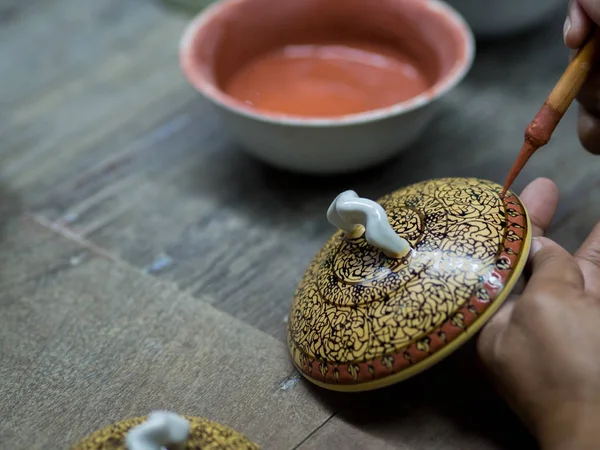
(329, 79)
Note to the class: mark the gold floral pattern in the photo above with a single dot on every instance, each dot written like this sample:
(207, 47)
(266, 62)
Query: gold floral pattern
(360, 312)
(204, 435)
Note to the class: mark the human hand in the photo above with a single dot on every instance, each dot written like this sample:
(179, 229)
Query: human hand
(543, 346)
(582, 16)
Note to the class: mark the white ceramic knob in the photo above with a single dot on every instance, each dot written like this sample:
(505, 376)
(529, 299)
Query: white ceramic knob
(162, 429)
(348, 211)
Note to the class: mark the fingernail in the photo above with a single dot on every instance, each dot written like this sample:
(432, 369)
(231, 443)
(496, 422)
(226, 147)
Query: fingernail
(536, 246)
(566, 28)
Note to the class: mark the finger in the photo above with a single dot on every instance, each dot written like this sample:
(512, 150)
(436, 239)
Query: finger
(588, 125)
(552, 265)
(588, 259)
(540, 197)
(489, 337)
(589, 94)
(591, 8)
(577, 25)
(588, 129)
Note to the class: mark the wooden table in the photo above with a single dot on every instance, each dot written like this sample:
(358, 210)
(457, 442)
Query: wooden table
(146, 262)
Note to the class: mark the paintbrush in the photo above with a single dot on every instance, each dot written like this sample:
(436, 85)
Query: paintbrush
(539, 131)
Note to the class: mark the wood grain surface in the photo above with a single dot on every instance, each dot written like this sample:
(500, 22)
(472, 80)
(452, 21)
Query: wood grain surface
(147, 262)
(87, 340)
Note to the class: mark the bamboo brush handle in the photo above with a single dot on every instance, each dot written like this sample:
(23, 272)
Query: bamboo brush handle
(570, 82)
(540, 130)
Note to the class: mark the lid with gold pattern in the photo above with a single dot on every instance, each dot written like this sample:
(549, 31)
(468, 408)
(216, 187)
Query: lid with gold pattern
(405, 281)
(164, 429)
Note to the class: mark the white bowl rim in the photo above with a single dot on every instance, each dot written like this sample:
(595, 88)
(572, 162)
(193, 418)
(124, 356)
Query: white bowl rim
(441, 87)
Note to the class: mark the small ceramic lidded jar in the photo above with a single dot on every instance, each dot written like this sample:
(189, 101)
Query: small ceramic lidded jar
(405, 281)
(166, 430)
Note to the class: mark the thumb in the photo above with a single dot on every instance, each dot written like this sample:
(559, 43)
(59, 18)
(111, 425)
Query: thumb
(551, 265)
(489, 338)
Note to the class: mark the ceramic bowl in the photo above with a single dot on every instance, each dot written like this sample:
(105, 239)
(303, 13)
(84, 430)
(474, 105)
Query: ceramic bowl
(230, 34)
(493, 18)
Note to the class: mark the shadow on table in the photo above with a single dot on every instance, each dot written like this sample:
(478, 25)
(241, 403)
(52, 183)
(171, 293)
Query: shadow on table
(454, 397)
(553, 22)
(278, 198)
(523, 57)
